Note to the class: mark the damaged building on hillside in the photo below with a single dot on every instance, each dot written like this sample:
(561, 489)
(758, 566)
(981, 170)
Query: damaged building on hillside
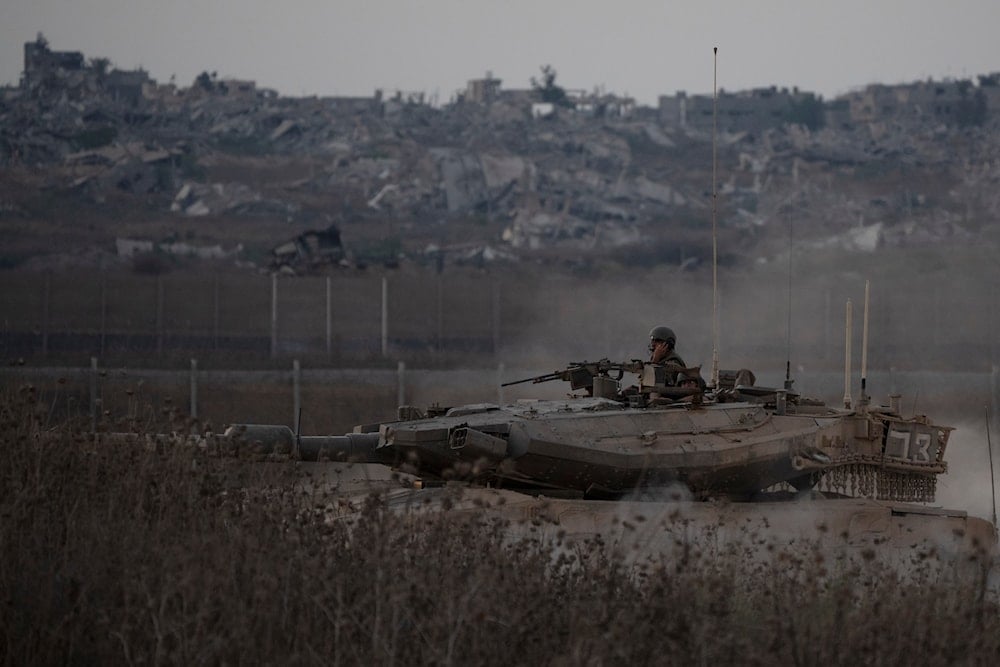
(69, 72)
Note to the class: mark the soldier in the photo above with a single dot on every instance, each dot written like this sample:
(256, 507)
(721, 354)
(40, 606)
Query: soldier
(661, 347)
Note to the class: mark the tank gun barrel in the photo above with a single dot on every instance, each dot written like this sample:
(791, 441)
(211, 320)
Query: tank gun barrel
(358, 447)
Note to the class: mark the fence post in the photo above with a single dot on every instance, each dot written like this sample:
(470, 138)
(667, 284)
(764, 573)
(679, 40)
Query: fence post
(47, 294)
(329, 319)
(440, 313)
(215, 312)
(93, 394)
(826, 325)
(104, 309)
(296, 395)
(159, 314)
(401, 382)
(385, 316)
(496, 317)
(274, 315)
(194, 389)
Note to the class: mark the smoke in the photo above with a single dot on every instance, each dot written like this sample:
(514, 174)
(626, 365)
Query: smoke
(917, 321)
(967, 485)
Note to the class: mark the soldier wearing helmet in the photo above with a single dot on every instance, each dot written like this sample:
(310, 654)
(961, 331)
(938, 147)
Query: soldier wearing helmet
(661, 347)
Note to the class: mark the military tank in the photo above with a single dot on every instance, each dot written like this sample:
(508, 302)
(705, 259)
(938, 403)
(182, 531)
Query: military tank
(744, 464)
(607, 441)
(646, 460)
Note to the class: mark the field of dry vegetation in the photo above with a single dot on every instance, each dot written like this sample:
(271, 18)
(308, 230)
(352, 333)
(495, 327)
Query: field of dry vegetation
(117, 554)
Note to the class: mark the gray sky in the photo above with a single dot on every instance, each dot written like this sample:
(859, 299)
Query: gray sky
(639, 47)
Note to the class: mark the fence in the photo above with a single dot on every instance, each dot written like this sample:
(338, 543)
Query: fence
(335, 400)
(471, 317)
(338, 317)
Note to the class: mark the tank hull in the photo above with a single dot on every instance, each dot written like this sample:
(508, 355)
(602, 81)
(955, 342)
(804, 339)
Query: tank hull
(597, 447)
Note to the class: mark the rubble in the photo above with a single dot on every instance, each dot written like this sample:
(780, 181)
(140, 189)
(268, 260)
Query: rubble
(605, 175)
(308, 251)
(127, 248)
(198, 199)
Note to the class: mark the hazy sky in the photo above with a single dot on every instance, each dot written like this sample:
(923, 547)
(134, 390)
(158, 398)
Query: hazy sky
(639, 47)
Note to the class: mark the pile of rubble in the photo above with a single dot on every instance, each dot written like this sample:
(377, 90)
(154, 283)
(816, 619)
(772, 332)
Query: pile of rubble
(572, 180)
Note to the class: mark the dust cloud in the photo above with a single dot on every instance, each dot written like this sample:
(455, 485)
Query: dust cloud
(967, 484)
(917, 320)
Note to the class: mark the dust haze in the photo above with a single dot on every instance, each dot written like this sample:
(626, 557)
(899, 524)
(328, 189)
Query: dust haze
(919, 320)
(968, 484)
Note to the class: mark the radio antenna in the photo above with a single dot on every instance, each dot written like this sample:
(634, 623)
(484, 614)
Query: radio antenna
(788, 331)
(864, 349)
(989, 448)
(715, 242)
(847, 355)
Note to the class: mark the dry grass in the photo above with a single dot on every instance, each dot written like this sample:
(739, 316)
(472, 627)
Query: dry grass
(115, 554)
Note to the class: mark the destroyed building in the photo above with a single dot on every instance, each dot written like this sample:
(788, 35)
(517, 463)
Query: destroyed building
(483, 91)
(42, 64)
(600, 175)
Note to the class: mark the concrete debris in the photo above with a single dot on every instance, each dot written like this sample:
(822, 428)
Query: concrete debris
(308, 251)
(283, 129)
(537, 230)
(197, 199)
(655, 134)
(374, 201)
(599, 174)
(128, 248)
(132, 247)
(658, 192)
(467, 254)
(461, 179)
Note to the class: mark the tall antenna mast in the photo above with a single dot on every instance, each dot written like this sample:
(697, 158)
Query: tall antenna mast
(864, 350)
(788, 332)
(847, 356)
(715, 242)
(993, 485)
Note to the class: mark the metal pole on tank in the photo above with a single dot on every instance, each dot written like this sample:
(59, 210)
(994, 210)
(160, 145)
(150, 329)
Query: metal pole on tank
(715, 243)
(864, 350)
(847, 357)
(989, 449)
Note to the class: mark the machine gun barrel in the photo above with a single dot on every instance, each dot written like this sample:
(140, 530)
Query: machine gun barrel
(558, 375)
(581, 374)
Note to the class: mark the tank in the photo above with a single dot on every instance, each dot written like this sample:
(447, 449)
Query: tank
(608, 441)
(630, 446)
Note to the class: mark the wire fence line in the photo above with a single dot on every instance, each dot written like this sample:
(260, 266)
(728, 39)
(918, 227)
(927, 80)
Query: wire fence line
(328, 400)
(324, 400)
(353, 316)
(481, 318)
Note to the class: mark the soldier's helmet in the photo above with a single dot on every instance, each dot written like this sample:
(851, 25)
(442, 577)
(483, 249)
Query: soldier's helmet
(663, 333)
